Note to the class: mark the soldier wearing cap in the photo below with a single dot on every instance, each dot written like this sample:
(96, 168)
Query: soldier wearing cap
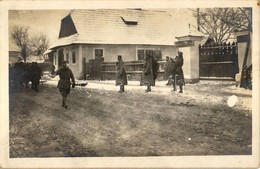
(179, 71)
(66, 76)
(121, 78)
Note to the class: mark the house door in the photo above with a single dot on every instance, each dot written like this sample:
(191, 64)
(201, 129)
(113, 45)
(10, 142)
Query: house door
(95, 64)
(60, 57)
(95, 69)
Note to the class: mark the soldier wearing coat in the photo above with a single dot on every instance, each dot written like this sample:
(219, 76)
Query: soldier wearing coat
(66, 79)
(121, 78)
(179, 71)
(35, 74)
(147, 77)
(167, 72)
(17, 76)
(155, 68)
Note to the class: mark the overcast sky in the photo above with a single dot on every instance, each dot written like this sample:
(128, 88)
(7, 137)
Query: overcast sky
(48, 21)
(45, 21)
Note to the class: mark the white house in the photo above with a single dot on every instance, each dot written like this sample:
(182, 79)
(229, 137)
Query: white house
(102, 34)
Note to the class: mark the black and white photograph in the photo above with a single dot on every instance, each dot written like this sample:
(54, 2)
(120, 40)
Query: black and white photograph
(133, 85)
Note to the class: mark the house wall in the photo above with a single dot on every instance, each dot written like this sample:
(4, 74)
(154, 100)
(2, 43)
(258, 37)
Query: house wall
(194, 61)
(169, 51)
(110, 52)
(128, 52)
(241, 47)
(73, 66)
(191, 58)
(187, 53)
(243, 38)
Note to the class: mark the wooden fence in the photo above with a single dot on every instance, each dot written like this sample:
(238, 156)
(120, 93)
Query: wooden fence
(220, 61)
(133, 70)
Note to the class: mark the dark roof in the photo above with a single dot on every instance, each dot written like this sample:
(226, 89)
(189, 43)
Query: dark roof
(118, 26)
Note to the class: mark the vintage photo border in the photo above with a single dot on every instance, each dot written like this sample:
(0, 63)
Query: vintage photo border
(227, 161)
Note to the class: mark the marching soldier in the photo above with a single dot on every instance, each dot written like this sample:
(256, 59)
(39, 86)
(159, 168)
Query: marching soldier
(64, 83)
(121, 79)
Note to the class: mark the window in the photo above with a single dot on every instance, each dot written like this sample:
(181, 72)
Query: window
(149, 52)
(67, 56)
(130, 18)
(157, 54)
(98, 53)
(142, 53)
(73, 56)
(129, 21)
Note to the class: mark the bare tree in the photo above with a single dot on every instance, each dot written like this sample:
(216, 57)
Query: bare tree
(28, 44)
(221, 23)
(39, 44)
(20, 37)
(247, 14)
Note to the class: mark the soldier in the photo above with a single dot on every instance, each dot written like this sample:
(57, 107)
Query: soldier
(167, 73)
(155, 68)
(147, 77)
(35, 75)
(17, 76)
(172, 71)
(179, 71)
(64, 83)
(121, 79)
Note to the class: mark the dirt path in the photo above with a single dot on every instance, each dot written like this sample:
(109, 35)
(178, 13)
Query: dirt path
(100, 122)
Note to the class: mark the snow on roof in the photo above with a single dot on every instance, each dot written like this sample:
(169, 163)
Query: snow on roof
(47, 51)
(108, 26)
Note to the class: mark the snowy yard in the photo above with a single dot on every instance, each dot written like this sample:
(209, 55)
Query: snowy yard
(101, 122)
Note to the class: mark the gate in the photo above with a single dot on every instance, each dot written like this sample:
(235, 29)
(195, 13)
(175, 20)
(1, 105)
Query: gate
(218, 61)
(95, 68)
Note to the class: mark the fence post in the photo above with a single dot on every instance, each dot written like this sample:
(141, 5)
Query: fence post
(84, 68)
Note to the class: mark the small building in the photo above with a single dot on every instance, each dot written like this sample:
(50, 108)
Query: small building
(90, 37)
(14, 54)
(48, 55)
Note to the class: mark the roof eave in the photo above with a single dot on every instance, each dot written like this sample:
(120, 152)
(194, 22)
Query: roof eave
(104, 43)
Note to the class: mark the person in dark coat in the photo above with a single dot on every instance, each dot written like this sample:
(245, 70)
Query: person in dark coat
(121, 78)
(17, 76)
(179, 71)
(155, 68)
(35, 74)
(147, 77)
(167, 72)
(66, 79)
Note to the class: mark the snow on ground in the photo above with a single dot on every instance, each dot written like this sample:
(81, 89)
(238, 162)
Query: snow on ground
(228, 88)
(101, 122)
